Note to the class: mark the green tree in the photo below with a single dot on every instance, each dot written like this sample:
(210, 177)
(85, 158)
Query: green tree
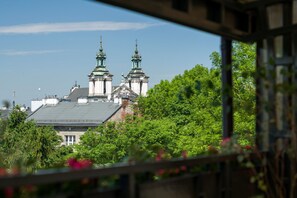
(26, 145)
(103, 145)
(115, 141)
(193, 102)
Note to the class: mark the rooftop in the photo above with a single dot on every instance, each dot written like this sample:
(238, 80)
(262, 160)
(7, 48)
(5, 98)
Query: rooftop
(74, 114)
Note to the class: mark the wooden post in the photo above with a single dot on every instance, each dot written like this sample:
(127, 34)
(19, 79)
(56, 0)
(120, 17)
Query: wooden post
(227, 89)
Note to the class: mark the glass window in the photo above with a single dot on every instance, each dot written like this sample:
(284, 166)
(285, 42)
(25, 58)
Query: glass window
(70, 139)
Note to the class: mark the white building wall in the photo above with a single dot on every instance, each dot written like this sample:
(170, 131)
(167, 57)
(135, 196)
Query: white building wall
(35, 104)
(108, 87)
(135, 86)
(82, 100)
(50, 101)
(91, 88)
(98, 87)
(77, 135)
(127, 84)
(144, 89)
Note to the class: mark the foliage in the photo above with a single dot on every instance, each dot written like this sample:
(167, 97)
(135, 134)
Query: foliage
(193, 102)
(136, 137)
(25, 145)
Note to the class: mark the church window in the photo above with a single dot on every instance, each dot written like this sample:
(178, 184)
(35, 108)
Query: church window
(104, 86)
(140, 85)
(93, 86)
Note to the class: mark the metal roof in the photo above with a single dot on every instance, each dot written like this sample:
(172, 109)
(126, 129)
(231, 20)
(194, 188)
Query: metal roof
(74, 114)
(78, 93)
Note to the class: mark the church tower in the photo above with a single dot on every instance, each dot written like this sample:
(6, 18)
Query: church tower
(136, 79)
(100, 80)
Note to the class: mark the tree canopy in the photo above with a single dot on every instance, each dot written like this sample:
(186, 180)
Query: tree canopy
(25, 145)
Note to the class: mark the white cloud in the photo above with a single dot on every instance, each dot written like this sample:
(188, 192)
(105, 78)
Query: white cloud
(72, 27)
(24, 53)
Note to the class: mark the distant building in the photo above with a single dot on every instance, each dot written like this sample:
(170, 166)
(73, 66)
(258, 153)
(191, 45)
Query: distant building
(89, 107)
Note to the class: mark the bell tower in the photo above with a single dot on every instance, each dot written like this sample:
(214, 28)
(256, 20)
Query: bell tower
(136, 78)
(100, 79)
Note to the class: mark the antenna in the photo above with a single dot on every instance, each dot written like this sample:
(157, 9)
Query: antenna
(13, 102)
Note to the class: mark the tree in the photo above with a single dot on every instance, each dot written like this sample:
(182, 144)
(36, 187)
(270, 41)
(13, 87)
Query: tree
(6, 104)
(115, 141)
(26, 145)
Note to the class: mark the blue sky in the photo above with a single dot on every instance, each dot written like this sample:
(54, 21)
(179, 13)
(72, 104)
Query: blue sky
(45, 46)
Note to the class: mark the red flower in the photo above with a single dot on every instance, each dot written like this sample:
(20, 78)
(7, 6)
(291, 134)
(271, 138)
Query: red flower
(71, 162)
(158, 158)
(79, 164)
(184, 154)
(248, 147)
(225, 141)
(85, 163)
(160, 155)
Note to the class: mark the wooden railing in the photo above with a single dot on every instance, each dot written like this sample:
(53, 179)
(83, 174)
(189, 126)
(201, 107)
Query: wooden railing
(207, 176)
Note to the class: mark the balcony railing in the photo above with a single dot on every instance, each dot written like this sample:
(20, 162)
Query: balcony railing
(207, 176)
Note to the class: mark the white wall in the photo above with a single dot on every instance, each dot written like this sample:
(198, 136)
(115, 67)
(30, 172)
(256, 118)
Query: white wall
(108, 87)
(50, 101)
(98, 87)
(35, 104)
(77, 135)
(144, 89)
(82, 100)
(91, 88)
(135, 86)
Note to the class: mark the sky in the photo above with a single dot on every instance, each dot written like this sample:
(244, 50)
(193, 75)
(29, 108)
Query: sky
(45, 46)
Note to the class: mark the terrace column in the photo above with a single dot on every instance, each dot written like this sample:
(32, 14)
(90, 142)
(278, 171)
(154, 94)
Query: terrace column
(227, 89)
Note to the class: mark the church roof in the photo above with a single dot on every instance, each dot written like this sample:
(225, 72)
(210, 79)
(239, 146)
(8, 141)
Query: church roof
(78, 93)
(100, 71)
(75, 114)
(124, 92)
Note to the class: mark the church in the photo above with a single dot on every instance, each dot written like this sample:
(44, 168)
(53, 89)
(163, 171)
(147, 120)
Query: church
(91, 106)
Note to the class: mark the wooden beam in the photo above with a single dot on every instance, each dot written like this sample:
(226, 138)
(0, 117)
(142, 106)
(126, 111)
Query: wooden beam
(198, 14)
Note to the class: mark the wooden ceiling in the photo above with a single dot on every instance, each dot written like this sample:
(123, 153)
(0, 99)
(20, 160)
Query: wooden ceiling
(244, 20)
